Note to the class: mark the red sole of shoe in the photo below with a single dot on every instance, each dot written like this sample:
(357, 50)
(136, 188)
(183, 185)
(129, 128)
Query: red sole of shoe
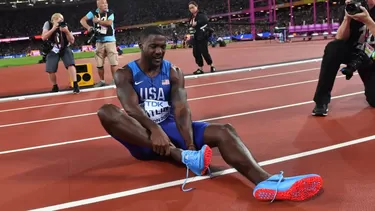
(207, 159)
(300, 191)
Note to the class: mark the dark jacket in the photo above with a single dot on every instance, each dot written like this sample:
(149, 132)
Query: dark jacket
(201, 30)
(58, 38)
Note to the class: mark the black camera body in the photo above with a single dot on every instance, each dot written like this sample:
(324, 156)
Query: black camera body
(357, 60)
(62, 24)
(46, 47)
(353, 7)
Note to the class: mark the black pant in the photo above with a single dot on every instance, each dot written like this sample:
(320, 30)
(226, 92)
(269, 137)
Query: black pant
(200, 48)
(337, 52)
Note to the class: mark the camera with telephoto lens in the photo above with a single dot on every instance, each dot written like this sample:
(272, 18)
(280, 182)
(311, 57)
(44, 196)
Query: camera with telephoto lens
(357, 60)
(92, 34)
(353, 7)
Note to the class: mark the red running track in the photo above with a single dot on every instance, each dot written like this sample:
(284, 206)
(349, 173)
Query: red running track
(270, 110)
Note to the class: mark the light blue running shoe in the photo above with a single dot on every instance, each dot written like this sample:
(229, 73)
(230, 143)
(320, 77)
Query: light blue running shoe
(297, 188)
(196, 161)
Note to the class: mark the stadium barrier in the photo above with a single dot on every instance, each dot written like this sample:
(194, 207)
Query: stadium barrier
(312, 28)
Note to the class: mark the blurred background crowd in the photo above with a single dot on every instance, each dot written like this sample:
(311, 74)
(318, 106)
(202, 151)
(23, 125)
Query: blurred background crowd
(28, 19)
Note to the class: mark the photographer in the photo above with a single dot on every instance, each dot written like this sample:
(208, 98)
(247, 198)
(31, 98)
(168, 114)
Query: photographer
(200, 33)
(104, 30)
(352, 39)
(57, 34)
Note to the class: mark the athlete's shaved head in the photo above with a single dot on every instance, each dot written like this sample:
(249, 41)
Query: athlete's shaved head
(151, 30)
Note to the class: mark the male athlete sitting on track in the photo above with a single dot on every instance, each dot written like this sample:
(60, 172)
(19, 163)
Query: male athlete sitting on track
(157, 122)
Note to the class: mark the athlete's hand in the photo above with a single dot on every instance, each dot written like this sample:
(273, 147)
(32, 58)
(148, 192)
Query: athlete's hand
(191, 147)
(160, 142)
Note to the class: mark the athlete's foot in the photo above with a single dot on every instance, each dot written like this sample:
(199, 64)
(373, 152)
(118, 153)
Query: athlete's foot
(213, 69)
(197, 161)
(296, 188)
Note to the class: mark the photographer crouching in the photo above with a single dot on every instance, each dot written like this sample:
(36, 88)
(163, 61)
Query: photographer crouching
(200, 32)
(103, 34)
(353, 47)
(57, 34)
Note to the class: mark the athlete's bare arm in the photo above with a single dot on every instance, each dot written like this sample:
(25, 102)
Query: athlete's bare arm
(129, 99)
(181, 107)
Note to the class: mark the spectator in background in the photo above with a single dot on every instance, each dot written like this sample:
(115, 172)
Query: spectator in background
(198, 24)
(57, 33)
(103, 19)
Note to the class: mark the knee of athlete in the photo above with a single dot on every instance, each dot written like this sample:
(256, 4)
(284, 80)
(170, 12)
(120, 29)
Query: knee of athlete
(107, 112)
(226, 132)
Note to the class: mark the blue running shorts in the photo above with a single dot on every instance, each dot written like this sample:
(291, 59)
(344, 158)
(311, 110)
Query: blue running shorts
(170, 128)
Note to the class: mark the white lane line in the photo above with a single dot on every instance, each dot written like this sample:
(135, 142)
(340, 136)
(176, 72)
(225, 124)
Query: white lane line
(204, 120)
(187, 87)
(199, 178)
(192, 99)
(26, 97)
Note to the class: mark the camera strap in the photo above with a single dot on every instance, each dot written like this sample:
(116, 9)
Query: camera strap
(59, 42)
(368, 49)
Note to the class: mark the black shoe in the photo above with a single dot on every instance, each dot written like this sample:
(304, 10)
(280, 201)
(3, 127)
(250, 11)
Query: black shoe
(320, 110)
(199, 71)
(55, 88)
(213, 69)
(76, 89)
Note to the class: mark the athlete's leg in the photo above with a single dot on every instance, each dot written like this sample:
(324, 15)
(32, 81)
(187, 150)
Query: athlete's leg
(136, 138)
(236, 154)
(130, 133)
(234, 151)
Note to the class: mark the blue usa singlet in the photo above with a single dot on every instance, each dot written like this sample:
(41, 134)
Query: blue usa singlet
(153, 93)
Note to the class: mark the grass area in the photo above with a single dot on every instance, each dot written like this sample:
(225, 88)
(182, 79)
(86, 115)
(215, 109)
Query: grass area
(35, 59)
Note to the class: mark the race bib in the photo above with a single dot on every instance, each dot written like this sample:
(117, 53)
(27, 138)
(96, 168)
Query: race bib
(157, 111)
(369, 50)
(103, 30)
(55, 49)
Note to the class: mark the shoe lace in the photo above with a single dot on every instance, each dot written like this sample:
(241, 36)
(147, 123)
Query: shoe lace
(187, 177)
(277, 185)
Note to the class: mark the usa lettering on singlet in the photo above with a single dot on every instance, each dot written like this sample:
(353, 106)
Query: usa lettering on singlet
(154, 104)
(153, 93)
